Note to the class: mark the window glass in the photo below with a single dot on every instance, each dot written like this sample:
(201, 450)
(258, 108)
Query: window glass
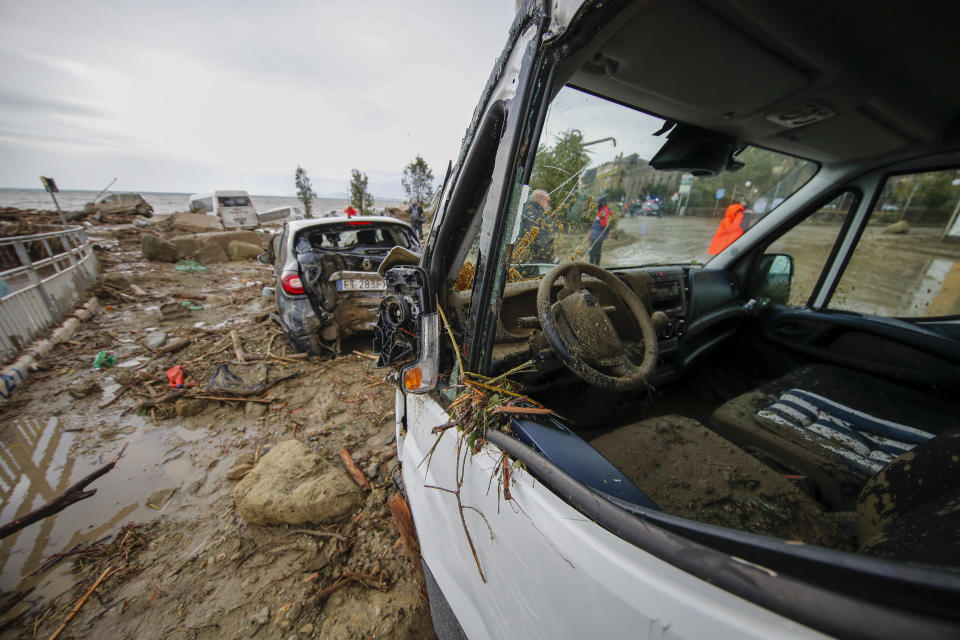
(234, 201)
(907, 262)
(594, 196)
(809, 244)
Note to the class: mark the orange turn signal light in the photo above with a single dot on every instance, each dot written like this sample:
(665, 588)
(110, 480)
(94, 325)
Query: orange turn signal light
(413, 378)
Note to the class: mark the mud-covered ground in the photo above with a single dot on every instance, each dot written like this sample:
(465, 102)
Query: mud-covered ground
(190, 566)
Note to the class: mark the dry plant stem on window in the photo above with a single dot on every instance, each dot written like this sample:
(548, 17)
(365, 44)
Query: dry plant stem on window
(481, 404)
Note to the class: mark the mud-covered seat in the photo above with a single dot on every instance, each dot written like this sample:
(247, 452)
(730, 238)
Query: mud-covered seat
(911, 509)
(836, 427)
(690, 471)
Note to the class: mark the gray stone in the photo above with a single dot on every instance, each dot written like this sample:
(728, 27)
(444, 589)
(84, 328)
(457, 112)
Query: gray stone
(256, 409)
(158, 249)
(210, 252)
(241, 466)
(897, 227)
(294, 485)
(261, 617)
(373, 470)
(187, 245)
(195, 222)
(238, 250)
(158, 499)
(307, 629)
(154, 340)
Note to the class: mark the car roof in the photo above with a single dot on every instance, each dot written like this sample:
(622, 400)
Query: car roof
(832, 82)
(299, 225)
(207, 194)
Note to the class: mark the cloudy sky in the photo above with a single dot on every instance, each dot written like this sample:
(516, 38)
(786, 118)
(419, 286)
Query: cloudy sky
(189, 96)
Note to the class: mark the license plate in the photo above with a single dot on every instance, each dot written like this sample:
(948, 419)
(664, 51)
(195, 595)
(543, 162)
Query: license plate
(361, 284)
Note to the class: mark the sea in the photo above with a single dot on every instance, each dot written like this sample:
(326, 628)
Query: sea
(163, 203)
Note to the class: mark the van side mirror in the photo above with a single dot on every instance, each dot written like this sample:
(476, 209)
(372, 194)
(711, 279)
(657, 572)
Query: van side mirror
(775, 277)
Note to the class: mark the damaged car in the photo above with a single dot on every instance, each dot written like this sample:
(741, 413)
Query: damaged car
(713, 429)
(122, 204)
(326, 281)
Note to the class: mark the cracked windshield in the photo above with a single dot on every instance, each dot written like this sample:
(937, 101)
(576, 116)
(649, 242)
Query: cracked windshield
(593, 195)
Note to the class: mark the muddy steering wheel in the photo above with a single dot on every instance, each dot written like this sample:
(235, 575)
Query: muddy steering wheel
(582, 334)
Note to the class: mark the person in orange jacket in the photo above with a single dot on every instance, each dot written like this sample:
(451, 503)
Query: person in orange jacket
(729, 229)
(599, 230)
(350, 211)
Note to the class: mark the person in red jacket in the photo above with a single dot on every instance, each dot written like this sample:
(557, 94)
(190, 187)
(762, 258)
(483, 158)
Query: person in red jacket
(599, 230)
(729, 229)
(350, 211)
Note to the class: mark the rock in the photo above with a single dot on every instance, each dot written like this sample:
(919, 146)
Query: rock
(158, 499)
(256, 409)
(116, 278)
(83, 390)
(373, 470)
(173, 310)
(306, 629)
(897, 227)
(154, 340)
(243, 250)
(294, 485)
(261, 617)
(195, 222)
(188, 407)
(241, 466)
(211, 252)
(187, 245)
(158, 249)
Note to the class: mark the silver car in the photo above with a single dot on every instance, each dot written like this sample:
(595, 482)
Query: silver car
(325, 270)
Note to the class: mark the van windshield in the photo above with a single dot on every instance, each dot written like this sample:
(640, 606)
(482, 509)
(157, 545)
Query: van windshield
(234, 201)
(593, 195)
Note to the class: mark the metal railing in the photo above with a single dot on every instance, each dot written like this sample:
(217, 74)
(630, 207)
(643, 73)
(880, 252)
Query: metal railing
(41, 277)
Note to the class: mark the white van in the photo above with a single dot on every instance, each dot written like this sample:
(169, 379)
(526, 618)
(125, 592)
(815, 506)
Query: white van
(280, 214)
(232, 207)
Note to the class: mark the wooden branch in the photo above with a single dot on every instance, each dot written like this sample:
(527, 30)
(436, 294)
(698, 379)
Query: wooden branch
(404, 521)
(74, 493)
(354, 470)
(109, 571)
(174, 346)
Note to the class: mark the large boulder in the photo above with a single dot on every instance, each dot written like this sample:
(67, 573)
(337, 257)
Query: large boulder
(195, 222)
(294, 485)
(210, 252)
(158, 249)
(899, 227)
(224, 238)
(187, 245)
(238, 250)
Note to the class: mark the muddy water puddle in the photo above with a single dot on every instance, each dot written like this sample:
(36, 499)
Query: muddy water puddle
(38, 463)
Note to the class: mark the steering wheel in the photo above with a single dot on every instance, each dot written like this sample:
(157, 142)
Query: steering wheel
(582, 335)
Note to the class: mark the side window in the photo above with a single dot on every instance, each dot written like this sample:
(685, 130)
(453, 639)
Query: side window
(907, 262)
(808, 244)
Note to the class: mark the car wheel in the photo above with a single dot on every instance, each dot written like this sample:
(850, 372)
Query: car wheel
(312, 344)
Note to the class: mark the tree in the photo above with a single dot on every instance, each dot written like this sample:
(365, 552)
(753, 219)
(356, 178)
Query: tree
(560, 164)
(305, 192)
(360, 198)
(417, 181)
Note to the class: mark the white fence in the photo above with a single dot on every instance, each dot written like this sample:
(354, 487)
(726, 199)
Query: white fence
(41, 277)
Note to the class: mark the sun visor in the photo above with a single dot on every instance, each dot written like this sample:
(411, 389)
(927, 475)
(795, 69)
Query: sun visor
(697, 151)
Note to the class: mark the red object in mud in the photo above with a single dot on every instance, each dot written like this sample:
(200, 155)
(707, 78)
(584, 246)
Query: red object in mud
(175, 376)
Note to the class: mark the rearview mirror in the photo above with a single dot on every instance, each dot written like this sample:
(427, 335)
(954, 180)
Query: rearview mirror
(266, 257)
(775, 277)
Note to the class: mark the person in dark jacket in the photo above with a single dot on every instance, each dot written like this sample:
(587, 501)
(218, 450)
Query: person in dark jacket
(599, 230)
(416, 219)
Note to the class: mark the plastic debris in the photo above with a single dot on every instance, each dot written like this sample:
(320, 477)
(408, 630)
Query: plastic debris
(192, 306)
(175, 376)
(104, 359)
(189, 265)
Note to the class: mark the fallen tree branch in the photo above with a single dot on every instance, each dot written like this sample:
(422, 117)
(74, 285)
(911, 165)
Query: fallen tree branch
(109, 571)
(74, 493)
(354, 471)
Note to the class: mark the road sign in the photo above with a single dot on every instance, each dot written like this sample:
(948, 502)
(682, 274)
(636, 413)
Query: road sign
(49, 184)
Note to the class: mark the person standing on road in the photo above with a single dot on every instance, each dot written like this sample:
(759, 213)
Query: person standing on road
(599, 230)
(729, 229)
(416, 219)
(536, 215)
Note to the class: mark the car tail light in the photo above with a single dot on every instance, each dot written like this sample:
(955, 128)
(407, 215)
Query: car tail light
(358, 223)
(292, 283)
